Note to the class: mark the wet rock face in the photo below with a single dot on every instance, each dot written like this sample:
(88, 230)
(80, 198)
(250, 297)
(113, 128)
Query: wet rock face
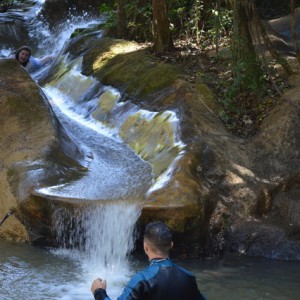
(13, 33)
(226, 193)
(26, 133)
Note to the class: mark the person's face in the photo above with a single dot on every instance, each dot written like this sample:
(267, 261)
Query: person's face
(24, 56)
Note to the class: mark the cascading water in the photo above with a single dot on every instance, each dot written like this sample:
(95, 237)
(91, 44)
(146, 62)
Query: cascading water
(98, 235)
(101, 237)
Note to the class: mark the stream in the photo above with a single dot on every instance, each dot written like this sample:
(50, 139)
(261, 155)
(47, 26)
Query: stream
(113, 171)
(36, 273)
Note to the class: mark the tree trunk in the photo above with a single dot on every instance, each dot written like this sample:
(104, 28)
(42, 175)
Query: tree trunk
(245, 60)
(278, 58)
(162, 39)
(293, 30)
(121, 20)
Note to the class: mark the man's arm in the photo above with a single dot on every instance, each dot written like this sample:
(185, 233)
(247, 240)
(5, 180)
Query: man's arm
(136, 289)
(100, 294)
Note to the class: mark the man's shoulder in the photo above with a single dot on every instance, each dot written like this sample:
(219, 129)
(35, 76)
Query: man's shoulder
(184, 270)
(145, 275)
(149, 272)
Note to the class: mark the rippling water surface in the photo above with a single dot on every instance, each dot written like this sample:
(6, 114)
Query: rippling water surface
(33, 273)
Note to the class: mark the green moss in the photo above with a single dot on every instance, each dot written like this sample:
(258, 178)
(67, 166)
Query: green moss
(205, 95)
(156, 79)
(108, 100)
(205, 92)
(147, 137)
(162, 160)
(26, 110)
(123, 65)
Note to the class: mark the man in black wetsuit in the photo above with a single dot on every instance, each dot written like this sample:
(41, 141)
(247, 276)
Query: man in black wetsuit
(162, 279)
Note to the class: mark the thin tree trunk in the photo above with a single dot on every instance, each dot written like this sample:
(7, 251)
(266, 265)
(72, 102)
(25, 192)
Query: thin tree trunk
(278, 58)
(244, 55)
(121, 20)
(293, 30)
(162, 39)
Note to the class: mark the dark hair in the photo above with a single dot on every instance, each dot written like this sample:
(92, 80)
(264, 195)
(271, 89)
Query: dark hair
(159, 235)
(21, 49)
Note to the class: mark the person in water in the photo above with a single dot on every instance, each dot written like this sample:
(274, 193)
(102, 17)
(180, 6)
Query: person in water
(24, 56)
(162, 279)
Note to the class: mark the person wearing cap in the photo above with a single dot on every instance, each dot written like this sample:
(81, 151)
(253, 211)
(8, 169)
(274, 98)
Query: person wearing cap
(162, 279)
(24, 56)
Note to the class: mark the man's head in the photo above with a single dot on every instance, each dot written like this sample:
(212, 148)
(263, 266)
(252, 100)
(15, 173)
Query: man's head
(23, 54)
(157, 239)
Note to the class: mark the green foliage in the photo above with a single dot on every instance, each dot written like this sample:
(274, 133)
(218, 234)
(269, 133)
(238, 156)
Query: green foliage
(178, 12)
(110, 10)
(219, 24)
(245, 102)
(240, 81)
(188, 19)
(6, 3)
(105, 8)
(193, 24)
(194, 21)
(139, 20)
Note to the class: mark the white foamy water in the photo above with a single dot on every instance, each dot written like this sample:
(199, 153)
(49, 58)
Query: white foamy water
(103, 235)
(62, 103)
(52, 41)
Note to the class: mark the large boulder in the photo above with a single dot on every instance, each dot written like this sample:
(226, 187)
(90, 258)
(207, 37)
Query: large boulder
(27, 134)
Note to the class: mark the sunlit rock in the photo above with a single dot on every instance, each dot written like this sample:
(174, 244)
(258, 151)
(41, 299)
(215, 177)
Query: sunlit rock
(126, 65)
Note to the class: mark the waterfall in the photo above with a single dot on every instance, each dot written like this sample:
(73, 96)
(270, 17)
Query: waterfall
(102, 233)
(101, 237)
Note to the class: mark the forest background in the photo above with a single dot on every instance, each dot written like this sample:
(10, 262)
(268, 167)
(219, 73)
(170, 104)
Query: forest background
(226, 44)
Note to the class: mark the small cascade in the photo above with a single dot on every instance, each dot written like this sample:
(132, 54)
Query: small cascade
(112, 164)
(103, 234)
(99, 238)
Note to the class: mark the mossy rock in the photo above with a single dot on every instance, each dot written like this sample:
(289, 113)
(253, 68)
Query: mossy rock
(126, 66)
(83, 31)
